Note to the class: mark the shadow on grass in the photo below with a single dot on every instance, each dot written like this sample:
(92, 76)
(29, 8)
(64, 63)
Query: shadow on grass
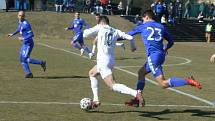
(59, 77)
(129, 58)
(157, 115)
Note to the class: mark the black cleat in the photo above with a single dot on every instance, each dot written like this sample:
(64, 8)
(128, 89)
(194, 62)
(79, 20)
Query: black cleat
(29, 75)
(43, 65)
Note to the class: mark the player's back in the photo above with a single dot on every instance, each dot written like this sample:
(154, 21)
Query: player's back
(153, 34)
(107, 37)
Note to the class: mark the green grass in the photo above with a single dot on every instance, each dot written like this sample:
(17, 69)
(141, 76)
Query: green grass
(66, 79)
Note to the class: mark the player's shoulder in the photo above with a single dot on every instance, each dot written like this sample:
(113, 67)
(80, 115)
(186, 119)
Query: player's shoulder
(81, 20)
(141, 25)
(25, 22)
(114, 29)
(156, 24)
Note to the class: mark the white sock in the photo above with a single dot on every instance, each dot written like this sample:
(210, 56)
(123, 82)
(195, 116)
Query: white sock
(121, 88)
(119, 44)
(94, 87)
(94, 48)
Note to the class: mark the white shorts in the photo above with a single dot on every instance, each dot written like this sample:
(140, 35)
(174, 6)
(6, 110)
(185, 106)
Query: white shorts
(104, 69)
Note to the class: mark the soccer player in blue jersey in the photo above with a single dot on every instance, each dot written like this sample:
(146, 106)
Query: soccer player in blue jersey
(24, 28)
(153, 34)
(78, 41)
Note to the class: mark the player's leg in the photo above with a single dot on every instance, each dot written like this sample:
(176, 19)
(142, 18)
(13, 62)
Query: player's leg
(106, 73)
(140, 85)
(74, 42)
(177, 82)
(206, 36)
(141, 78)
(155, 62)
(94, 82)
(23, 60)
(84, 47)
(94, 86)
(121, 88)
(32, 60)
(209, 37)
(119, 44)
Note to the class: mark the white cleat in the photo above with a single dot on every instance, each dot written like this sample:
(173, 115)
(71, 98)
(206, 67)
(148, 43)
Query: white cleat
(82, 51)
(91, 55)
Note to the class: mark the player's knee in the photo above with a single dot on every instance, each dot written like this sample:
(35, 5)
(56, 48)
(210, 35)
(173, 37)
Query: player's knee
(92, 73)
(73, 43)
(163, 85)
(23, 59)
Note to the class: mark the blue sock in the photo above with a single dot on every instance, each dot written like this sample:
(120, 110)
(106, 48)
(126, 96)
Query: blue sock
(86, 49)
(76, 45)
(34, 61)
(177, 82)
(26, 67)
(140, 85)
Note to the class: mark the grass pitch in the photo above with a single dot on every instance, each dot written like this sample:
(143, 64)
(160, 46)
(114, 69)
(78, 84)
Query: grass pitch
(55, 94)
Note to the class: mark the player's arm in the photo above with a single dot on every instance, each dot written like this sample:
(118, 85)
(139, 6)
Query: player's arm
(86, 25)
(17, 31)
(169, 39)
(128, 37)
(212, 58)
(71, 27)
(91, 31)
(136, 30)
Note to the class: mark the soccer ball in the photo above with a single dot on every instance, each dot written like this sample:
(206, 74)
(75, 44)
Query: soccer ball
(86, 103)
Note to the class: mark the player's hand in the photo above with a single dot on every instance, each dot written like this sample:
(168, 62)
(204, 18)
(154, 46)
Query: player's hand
(10, 35)
(212, 58)
(66, 29)
(20, 38)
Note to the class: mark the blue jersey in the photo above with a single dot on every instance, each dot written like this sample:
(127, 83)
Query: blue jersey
(152, 34)
(24, 28)
(159, 8)
(77, 25)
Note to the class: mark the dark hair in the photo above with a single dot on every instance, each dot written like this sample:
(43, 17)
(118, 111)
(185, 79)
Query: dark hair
(103, 19)
(77, 12)
(149, 13)
(97, 14)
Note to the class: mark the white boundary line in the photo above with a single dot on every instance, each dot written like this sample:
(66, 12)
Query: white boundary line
(149, 80)
(177, 64)
(104, 104)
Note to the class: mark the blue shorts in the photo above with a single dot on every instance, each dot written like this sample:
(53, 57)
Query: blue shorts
(25, 51)
(154, 63)
(78, 38)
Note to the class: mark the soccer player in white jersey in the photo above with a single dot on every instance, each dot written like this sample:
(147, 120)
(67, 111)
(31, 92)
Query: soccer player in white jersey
(107, 37)
(119, 44)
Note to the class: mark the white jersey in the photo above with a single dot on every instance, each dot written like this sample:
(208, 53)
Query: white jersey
(107, 37)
